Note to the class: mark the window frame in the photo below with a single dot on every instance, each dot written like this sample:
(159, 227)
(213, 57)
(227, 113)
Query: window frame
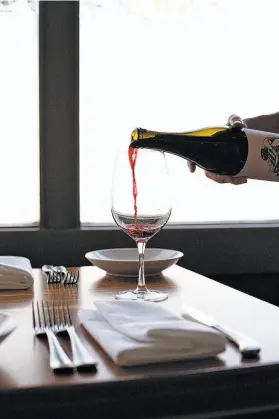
(210, 249)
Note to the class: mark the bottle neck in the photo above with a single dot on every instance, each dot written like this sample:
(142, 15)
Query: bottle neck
(142, 133)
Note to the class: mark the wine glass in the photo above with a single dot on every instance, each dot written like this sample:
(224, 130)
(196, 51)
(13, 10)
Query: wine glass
(141, 207)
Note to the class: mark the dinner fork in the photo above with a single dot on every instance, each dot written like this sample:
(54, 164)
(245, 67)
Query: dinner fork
(43, 326)
(63, 323)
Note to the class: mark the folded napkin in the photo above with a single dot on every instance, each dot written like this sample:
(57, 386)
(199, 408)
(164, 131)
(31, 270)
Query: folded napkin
(15, 273)
(136, 332)
(7, 325)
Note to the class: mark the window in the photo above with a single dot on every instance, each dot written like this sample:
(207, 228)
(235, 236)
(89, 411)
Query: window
(19, 113)
(78, 74)
(174, 65)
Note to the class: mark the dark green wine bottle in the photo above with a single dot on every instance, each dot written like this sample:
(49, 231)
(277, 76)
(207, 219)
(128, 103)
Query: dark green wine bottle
(221, 150)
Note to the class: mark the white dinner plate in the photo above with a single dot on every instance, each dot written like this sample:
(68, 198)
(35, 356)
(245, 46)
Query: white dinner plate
(124, 261)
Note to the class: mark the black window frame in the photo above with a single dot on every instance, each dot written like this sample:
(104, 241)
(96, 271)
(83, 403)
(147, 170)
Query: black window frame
(210, 249)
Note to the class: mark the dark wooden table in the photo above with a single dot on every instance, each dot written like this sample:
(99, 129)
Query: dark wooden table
(225, 384)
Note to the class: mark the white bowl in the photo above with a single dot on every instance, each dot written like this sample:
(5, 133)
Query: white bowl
(124, 261)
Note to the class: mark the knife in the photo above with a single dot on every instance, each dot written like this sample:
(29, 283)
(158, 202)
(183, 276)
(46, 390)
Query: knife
(247, 347)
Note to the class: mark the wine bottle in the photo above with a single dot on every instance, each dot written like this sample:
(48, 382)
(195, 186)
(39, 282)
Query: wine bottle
(222, 150)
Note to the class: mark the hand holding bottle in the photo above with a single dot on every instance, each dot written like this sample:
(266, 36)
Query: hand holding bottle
(236, 122)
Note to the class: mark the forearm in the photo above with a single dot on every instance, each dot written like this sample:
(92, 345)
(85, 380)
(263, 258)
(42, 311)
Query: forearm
(269, 123)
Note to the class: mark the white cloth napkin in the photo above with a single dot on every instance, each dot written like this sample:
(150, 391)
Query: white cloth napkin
(136, 332)
(15, 273)
(7, 325)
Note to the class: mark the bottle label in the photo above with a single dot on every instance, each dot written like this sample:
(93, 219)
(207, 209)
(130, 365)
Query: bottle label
(263, 156)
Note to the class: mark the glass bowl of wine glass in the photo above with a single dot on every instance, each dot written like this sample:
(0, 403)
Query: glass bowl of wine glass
(141, 207)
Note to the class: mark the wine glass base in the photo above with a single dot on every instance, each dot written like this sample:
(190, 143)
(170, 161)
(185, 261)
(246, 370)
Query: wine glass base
(149, 295)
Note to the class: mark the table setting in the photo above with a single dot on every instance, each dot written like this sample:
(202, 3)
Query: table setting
(132, 342)
(131, 332)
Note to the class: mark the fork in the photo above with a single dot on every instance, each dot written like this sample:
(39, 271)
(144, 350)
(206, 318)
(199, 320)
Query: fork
(42, 325)
(54, 273)
(71, 278)
(66, 278)
(63, 321)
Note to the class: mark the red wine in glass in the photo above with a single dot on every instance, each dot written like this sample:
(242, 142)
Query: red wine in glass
(144, 228)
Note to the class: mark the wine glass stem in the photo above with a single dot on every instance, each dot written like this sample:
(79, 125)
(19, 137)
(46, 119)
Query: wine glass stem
(141, 280)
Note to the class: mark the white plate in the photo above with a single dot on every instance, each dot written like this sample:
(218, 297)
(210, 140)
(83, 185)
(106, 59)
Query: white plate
(7, 325)
(124, 261)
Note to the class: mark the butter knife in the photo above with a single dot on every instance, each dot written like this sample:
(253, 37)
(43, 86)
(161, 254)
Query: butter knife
(247, 347)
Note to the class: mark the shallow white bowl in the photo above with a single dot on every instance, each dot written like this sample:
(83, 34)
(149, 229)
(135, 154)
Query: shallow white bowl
(124, 261)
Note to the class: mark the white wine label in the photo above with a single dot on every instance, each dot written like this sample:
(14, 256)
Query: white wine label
(263, 156)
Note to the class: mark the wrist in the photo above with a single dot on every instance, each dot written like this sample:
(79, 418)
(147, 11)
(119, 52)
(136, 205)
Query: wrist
(269, 123)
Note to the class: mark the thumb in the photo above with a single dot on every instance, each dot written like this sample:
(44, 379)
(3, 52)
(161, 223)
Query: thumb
(236, 122)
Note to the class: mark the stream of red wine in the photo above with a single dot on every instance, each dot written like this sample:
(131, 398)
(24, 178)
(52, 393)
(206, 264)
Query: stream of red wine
(137, 231)
(133, 154)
